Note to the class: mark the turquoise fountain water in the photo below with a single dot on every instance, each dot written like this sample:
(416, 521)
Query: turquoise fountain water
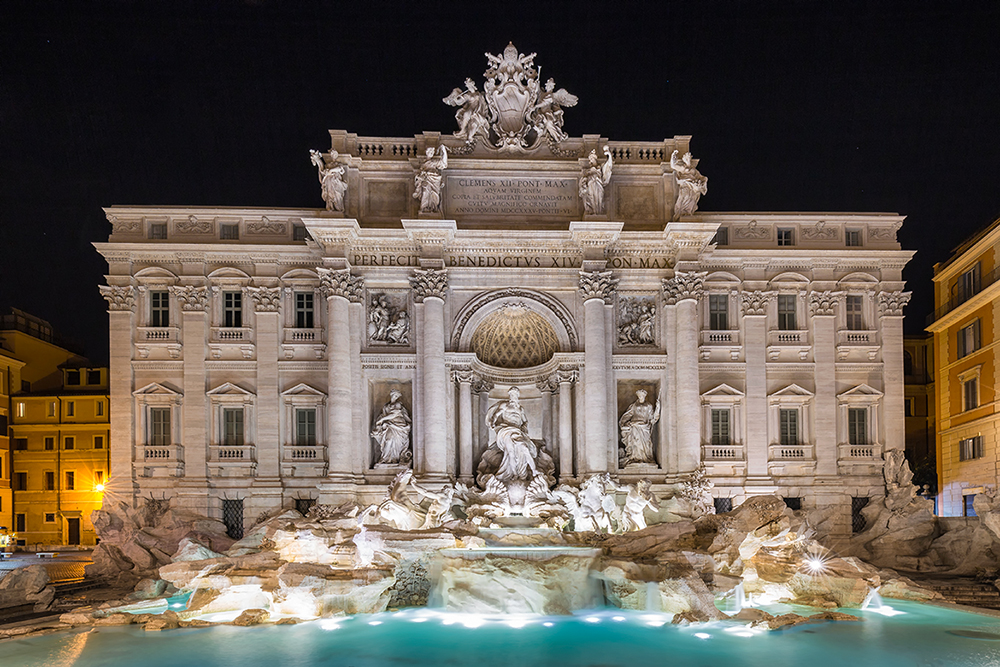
(921, 636)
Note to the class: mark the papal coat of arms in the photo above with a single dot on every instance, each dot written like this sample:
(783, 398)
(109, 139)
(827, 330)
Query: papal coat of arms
(512, 112)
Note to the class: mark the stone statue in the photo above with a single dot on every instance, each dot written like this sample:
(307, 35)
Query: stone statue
(592, 182)
(410, 506)
(510, 423)
(387, 323)
(427, 183)
(636, 426)
(399, 331)
(392, 432)
(332, 180)
(639, 497)
(690, 183)
(472, 112)
(547, 115)
(378, 318)
(592, 505)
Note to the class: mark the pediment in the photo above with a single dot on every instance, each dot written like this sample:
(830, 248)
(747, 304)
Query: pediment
(229, 389)
(861, 391)
(303, 389)
(156, 389)
(791, 390)
(723, 390)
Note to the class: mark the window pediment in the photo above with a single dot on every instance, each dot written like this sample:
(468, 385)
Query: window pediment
(862, 393)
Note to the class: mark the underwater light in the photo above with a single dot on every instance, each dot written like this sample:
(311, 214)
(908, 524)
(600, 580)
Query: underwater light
(702, 635)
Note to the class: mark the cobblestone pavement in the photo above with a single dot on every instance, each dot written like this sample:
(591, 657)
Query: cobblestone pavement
(64, 567)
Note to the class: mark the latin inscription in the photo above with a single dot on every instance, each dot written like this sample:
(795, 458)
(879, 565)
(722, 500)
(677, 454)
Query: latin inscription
(518, 196)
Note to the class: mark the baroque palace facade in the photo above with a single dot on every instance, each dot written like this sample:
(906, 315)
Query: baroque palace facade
(266, 358)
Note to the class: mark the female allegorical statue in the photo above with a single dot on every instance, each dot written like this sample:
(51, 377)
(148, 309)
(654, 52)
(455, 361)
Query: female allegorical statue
(509, 421)
(392, 432)
(637, 430)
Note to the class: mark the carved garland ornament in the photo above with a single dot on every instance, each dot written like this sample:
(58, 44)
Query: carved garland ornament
(340, 282)
(823, 303)
(191, 298)
(428, 283)
(684, 285)
(597, 285)
(891, 304)
(265, 299)
(755, 303)
(119, 298)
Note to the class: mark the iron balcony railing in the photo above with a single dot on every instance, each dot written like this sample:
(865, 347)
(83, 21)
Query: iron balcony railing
(963, 295)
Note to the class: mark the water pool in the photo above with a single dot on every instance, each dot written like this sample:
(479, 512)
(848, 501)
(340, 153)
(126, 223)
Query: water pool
(922, 636)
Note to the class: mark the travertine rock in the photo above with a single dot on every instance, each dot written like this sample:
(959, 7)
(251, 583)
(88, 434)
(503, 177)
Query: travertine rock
(252, 617)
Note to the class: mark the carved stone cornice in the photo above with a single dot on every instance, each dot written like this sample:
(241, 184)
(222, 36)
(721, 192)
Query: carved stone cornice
(191, 298)
(119, 297)
(428, 283)
(822, 304)
(340, 282)
(754, 304)
(463, 376)
(597, 285)
(891, 304)
(481, 384)
(565, 376)
(684, 285)
(265, 299)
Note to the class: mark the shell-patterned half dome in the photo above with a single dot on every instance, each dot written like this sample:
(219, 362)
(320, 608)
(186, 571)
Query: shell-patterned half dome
(514, 337)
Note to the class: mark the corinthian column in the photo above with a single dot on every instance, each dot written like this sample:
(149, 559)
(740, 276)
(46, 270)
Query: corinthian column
(464, 379)
(596, 288)
(429, 288)
(340, 288)
(890, 310)
(566, 380)
(683, 292)
(121, 312)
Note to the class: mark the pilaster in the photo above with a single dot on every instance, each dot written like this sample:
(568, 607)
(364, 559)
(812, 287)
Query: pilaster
(822, 308)
(265, 302)
(754, 307)
(121, 481)
(890, 308)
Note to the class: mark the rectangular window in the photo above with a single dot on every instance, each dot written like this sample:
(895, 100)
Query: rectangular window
(69, 442)
(99, 409)
(20, 524)
(911, 407)
(305, 426)
(304, 310)
(20, 406)
(970, 448)
(158, 230)
(721, 236)
(786, 312)
(720, 428)
(20, 444)
(793, 503)
(94, 377)
(786, 236)
(52, 409)
(159, 308)
(98, 477)
(70, 480)
(25, 386)
(857, 426)
(968, 505)
(299, 233)
(98, 442)
(70, 409)
(855, 319)
(50, 480)
(723, 505)
(20, 481)
(232, 426)
(789, 424)
(852, 238)
(232, 516)
(229, 232)
(718, 312)
(50, 517)
(50, 443)
(159, 426)
(970, 394)
(72, 377)
(858, 521)
(968, 284)
(232, 309)
(968, 339)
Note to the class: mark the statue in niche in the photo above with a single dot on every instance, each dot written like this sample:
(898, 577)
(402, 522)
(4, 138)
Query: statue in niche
(592, 182)
(636, 319)
(392, 433)
(690, 183)
(472, 112)
(332, 180)
(513, 456)
(547, 115)
(639, 497)
(427, 182)
(387, 323)
(636, 426)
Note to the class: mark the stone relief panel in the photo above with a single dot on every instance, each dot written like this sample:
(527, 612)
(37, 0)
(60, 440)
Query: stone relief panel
(639, 412)
(385, 199)
(636, 202)
(388, 319)
(391, 424)
(636, 321)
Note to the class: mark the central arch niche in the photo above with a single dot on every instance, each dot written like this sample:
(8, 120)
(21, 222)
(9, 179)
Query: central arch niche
(514, 336)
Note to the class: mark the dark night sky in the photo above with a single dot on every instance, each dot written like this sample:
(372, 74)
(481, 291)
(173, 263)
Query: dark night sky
(794, 105)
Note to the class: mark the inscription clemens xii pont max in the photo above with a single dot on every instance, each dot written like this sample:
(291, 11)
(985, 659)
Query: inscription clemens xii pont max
(499, 195)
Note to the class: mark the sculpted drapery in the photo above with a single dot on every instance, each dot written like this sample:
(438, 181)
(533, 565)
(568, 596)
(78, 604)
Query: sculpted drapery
(637, 430)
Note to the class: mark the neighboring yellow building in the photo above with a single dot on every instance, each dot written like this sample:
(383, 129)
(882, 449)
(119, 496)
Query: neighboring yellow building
(966, 362)
(921, 427)
(59, 435)
(10, 382)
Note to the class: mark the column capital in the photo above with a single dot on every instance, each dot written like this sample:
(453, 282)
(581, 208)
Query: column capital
(822, 304)
(429, 282)
(597, 285)
(481, 384)
(548, 385)
(119, 297)
(891, 304)
(463, 376)
(566, 376)
(340, 282)
(264, 299)
(684, 285)
(754, 304)
(192, 299)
